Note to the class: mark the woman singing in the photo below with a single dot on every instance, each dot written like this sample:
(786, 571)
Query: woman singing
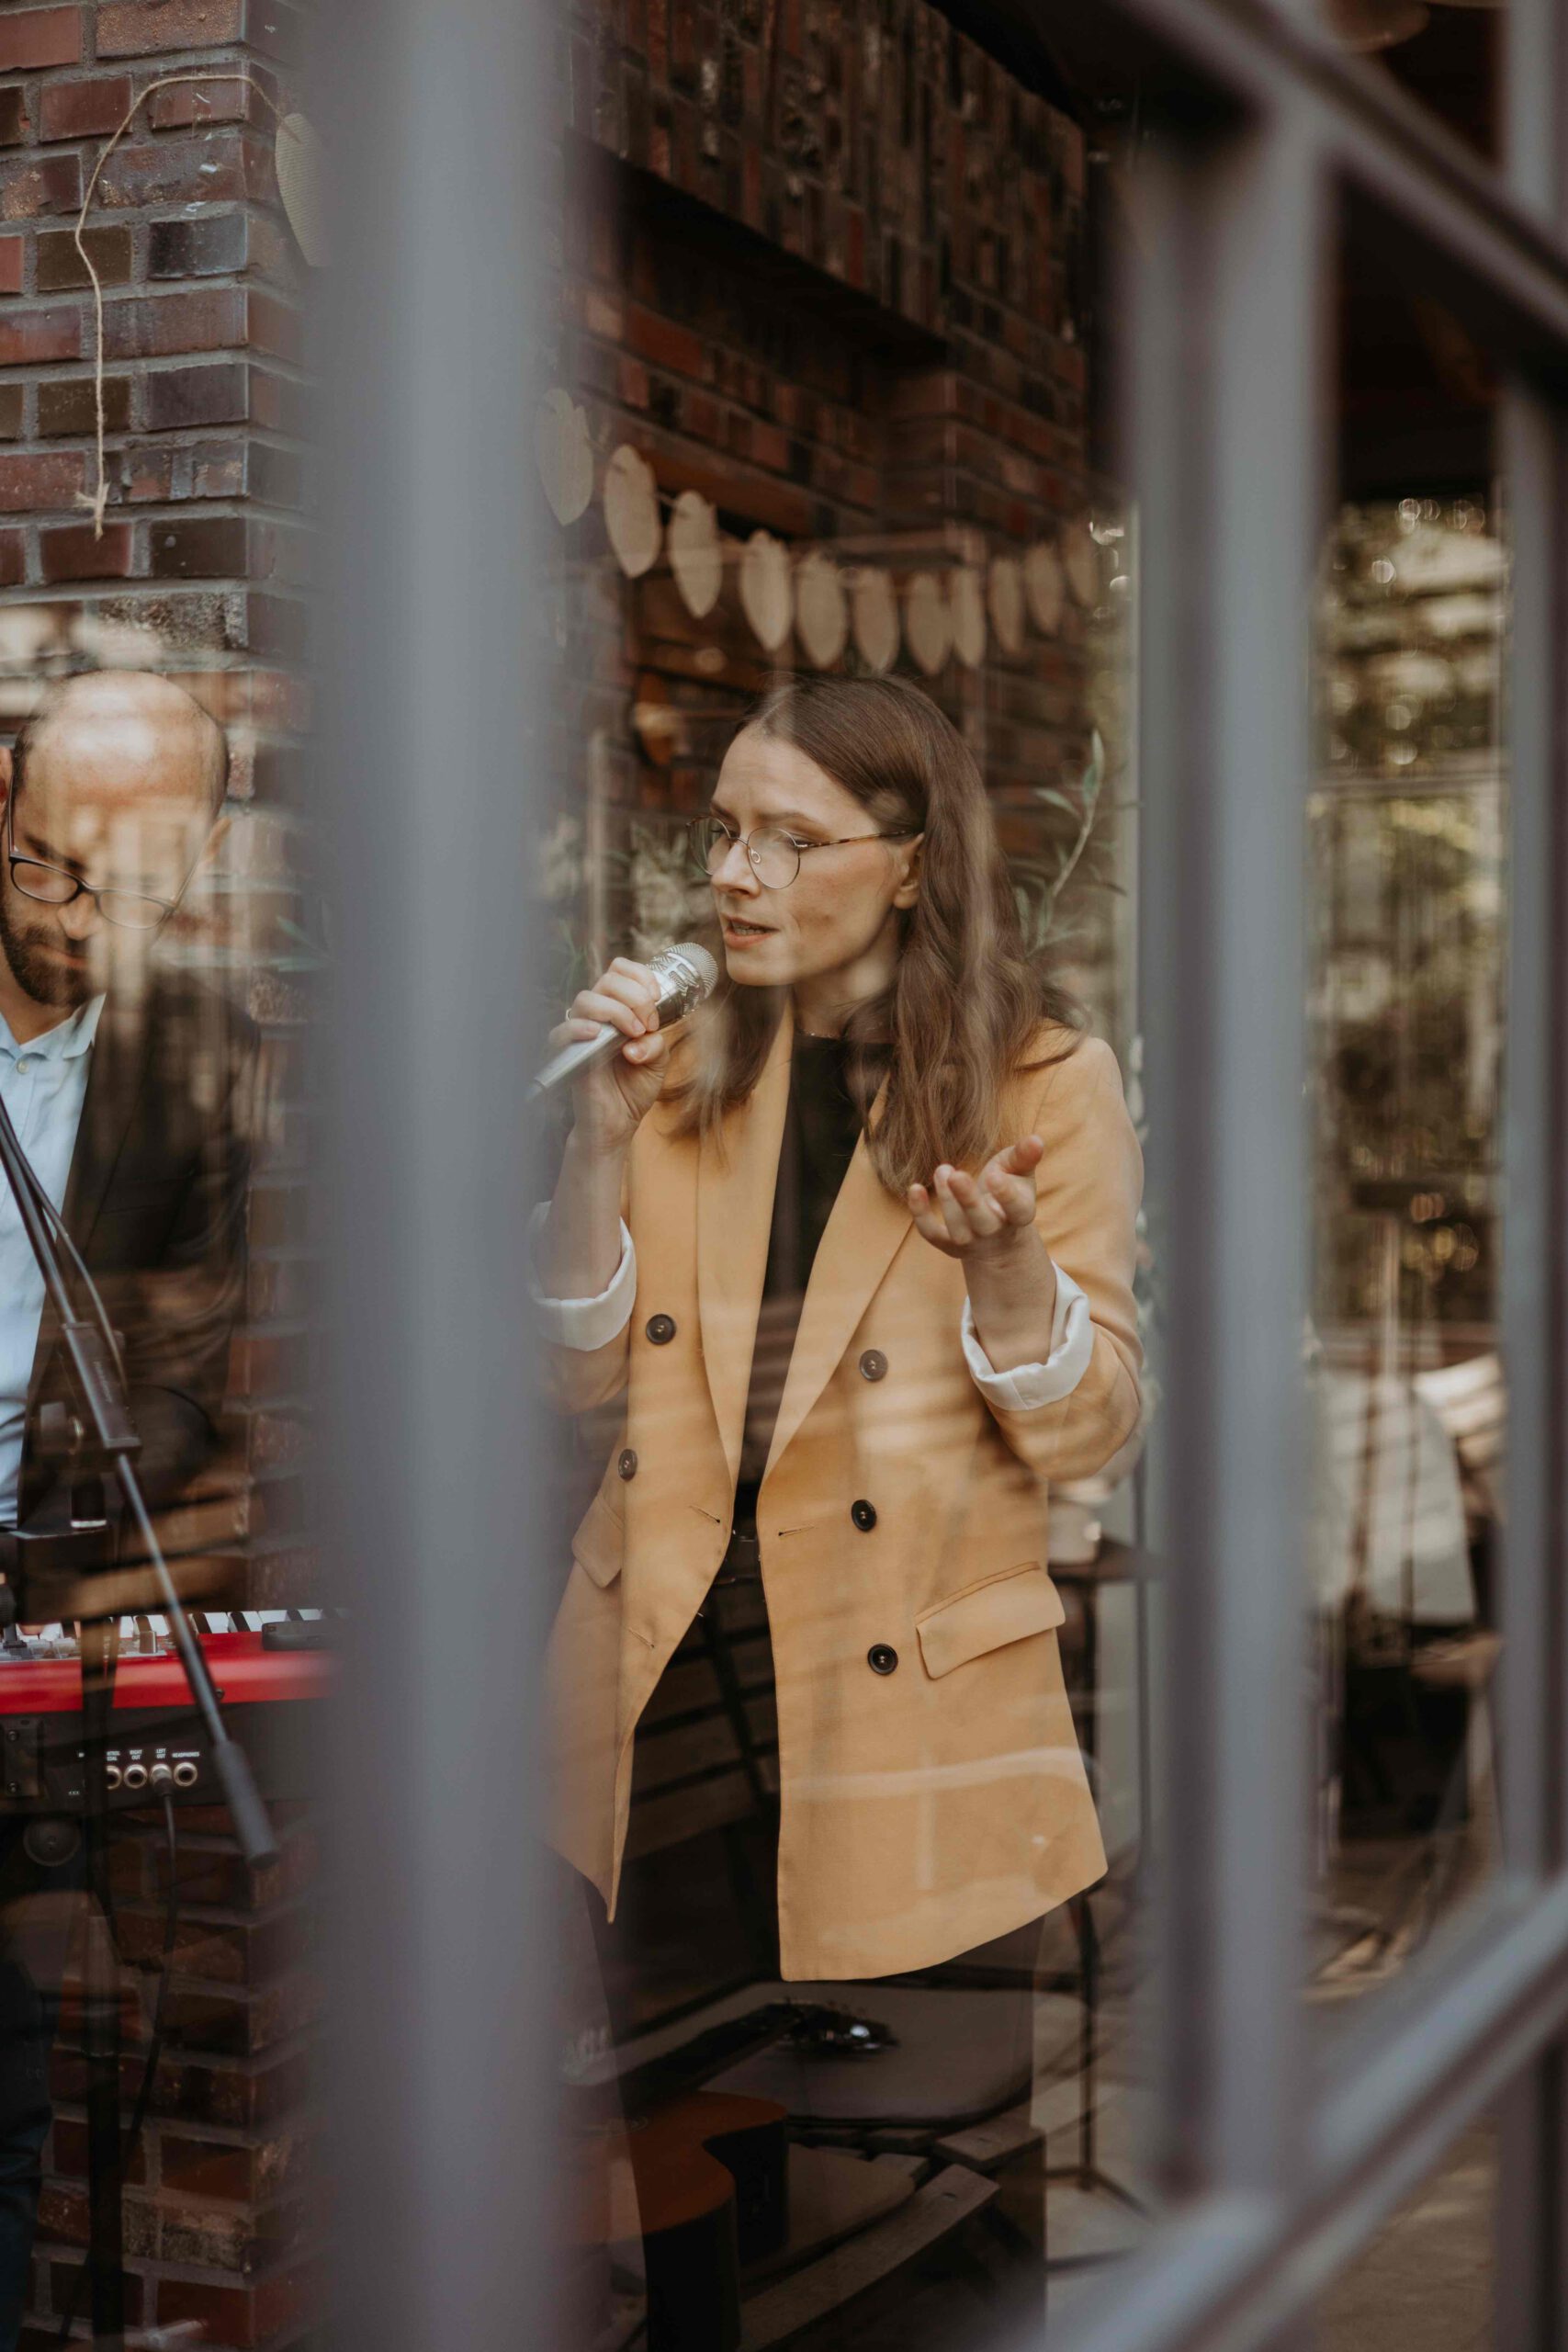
(858, 1246)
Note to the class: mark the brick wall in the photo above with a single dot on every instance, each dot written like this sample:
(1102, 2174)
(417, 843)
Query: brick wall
(820, 265)
(203, 557)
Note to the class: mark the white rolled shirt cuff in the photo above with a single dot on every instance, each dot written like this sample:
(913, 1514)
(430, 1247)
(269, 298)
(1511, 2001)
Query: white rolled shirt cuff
(584, 1323)
(1029, 1385)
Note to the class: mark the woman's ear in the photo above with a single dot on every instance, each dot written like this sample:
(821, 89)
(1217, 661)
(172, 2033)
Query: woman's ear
(908, 888)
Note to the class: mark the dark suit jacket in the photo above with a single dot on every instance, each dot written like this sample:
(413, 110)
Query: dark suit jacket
(155, 1203)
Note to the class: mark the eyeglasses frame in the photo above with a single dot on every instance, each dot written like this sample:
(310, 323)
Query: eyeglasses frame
(743, 840)
(97, 893)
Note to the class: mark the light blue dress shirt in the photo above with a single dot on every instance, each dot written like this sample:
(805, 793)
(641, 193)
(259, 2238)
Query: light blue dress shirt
(44, 1085)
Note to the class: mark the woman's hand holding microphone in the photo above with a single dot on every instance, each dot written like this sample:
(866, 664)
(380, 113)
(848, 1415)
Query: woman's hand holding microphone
(580, 1245)
(612, 1100)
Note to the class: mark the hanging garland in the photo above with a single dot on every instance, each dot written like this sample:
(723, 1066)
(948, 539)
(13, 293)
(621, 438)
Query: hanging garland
(825, 604)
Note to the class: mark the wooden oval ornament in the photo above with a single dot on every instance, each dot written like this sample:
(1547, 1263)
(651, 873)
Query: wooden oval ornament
(631, 512)
(695, 557)
(765, 589)
(297, 160)
(1005, 600)
(928, 622)
(821, 610)
(1046, 585)
(874, 611)
(968, 602)
(565, 456)
(1081, 560)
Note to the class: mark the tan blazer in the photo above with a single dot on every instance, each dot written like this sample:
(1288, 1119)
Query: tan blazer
(927, 1808)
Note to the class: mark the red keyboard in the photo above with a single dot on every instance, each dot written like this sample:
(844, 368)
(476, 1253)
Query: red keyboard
(160, 1747)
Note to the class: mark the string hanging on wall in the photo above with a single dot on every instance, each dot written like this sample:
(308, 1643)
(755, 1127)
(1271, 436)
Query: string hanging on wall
(96, 499)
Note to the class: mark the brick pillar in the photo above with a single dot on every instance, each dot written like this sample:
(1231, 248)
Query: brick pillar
(203, 547)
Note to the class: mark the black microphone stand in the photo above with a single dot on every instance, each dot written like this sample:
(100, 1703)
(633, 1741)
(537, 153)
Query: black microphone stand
(93, 1439)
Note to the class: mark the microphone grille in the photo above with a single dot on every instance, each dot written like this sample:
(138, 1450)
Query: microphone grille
(692, 971)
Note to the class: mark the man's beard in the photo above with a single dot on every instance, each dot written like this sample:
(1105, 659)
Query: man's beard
(35, 973)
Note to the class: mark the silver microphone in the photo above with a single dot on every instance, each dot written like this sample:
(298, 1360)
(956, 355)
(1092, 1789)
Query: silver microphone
(685, 975)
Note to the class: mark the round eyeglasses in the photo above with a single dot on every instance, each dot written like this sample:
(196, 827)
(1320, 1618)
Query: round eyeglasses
(55, 886)
(772, 853)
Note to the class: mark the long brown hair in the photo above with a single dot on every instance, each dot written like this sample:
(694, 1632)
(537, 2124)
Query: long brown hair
(967, 999)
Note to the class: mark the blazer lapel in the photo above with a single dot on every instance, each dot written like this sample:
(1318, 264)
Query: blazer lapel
(116, 1062)
(857, 1247)
(737, 1170)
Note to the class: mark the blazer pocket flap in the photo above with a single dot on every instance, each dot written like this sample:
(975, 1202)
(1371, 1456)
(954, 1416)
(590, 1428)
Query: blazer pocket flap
(599, 1544)
(1006, 1608)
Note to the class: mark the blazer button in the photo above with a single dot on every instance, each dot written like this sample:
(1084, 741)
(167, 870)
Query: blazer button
(864, 1516)
(873, 1364)
(661, 1330)
(882, 1657)
(626, 1465)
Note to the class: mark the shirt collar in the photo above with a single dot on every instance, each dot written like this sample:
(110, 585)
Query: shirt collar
(66, 1042)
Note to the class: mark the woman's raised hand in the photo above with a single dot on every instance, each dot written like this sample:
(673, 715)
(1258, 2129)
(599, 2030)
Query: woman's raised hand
(963, 1215)
(611, 1101)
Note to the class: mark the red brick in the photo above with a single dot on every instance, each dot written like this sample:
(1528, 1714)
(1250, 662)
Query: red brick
(10, 412)
(74, 553)
(238, 2316)
(280, 405)
(40, 479)
(219, 98)
(273, 327)
(11, 252)
(666, 345)
(67, 407)
(215, 547)
(149, 475)
(217, 169)
(143, 28)
(61, 267)
(40, 37)
(41, 184)
(13, 558)
(29, 337)
(85, 109)
(205, 319)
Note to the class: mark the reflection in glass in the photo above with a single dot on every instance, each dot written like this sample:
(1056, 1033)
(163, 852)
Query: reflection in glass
(830, 425)
(1408, 908)
(1427, 2276)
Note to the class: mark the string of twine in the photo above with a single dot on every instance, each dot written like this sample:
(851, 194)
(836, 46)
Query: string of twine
(95, 501)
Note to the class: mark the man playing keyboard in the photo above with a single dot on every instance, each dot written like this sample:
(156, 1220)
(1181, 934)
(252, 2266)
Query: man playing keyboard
(131, 1090)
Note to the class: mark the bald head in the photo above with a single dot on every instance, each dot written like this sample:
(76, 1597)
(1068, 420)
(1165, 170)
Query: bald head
(113, 787)
(153, 732)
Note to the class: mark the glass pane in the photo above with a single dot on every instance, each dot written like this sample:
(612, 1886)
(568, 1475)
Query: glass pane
(1408, 925)
(1427, 2276)
(855, 1728)
(1449, 56)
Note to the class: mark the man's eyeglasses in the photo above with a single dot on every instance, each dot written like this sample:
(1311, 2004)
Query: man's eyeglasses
(55, 886)
(773, 854)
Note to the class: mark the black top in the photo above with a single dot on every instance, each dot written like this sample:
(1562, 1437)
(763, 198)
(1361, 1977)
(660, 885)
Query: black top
(821, 1129)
